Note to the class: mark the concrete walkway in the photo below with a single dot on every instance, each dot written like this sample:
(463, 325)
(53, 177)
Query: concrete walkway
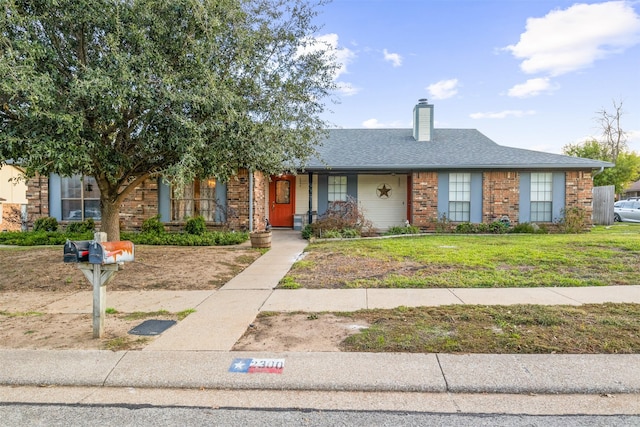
(222, 318)
(196, 352)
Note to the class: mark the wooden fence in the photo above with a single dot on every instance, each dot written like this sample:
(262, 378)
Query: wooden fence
(603, 199)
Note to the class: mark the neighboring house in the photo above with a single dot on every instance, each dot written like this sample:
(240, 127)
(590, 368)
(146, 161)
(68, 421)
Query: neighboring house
(13, 198)
(632, 191)
(396, 175)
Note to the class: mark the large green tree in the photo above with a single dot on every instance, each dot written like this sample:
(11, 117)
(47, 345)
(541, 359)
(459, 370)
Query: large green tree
(627, 164)
(125, 90)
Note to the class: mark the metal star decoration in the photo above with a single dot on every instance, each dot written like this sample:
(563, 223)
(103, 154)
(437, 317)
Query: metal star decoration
(384, 192)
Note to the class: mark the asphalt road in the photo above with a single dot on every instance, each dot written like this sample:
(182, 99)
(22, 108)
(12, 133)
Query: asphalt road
(16, 414)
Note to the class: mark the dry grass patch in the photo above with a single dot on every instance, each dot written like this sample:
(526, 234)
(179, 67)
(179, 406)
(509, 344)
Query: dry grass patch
(522, 329)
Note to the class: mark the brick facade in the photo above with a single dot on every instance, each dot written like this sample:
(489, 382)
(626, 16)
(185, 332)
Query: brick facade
(500, 196)
(424, 199)
(500, 189)
(142, 203)
(37, 199)
(260, 182)
(579, 191)
(238, 201)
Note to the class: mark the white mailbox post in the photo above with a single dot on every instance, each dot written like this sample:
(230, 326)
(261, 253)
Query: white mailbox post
(99, 260)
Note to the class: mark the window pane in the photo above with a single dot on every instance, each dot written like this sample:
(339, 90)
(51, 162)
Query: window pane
(541, 212)
(541, 196)
(71, 187)
(460, 211)
(195, 199)
(283, 192)
(92, 209)
(71, 210)
(182, 203)
(90, 188)
(80, 198)
(337, 188)
(460, 187)
(206, 206)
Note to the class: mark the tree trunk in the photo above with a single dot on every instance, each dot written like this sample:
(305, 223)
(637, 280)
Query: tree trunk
(110, 219)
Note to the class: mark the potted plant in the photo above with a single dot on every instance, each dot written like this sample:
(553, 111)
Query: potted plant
(261, 238)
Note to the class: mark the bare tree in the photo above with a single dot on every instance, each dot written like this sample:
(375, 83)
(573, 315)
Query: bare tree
(614, 139)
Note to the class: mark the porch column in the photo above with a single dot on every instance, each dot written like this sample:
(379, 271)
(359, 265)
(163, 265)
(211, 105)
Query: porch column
(310, 218)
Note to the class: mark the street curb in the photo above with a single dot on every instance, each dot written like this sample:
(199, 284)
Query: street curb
(330, 371)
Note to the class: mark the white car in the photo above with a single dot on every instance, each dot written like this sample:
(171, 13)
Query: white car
(627, 210)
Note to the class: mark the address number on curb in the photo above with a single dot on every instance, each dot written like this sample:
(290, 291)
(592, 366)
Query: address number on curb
(254, 366)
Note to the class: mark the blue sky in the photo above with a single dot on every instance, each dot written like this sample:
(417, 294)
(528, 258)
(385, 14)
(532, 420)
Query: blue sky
(527, 73)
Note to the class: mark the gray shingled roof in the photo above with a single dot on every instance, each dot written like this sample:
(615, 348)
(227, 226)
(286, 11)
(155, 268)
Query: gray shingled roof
(378, 150)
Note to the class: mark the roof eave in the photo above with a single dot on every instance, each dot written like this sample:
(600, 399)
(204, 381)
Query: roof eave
(409, 168)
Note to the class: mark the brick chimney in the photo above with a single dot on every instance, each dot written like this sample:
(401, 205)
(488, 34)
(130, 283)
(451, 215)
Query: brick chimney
(423, 121)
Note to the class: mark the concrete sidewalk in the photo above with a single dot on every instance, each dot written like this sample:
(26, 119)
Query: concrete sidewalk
(196, 352)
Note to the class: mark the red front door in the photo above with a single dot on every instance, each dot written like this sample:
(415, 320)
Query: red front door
(282, 200)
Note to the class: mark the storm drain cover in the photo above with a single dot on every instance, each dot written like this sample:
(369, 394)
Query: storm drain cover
(152, 327)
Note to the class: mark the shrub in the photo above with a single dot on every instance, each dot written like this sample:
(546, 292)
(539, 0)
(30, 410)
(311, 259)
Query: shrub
(331, 234)
(196, 225)
(81, 227)
(349, 233)
(340, 216)
(45, 224)
(214, 238)
(483, 228)
(153, 225)
(498, 227)
(307, 232)
(466, 228)
(526, 227)
(574, 220)
(443, 224)
(402, 229)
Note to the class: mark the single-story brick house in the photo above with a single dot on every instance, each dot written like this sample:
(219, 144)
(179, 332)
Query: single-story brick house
(396, 175)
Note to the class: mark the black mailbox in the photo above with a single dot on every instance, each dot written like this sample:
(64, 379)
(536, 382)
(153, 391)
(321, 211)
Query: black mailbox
(77, 251)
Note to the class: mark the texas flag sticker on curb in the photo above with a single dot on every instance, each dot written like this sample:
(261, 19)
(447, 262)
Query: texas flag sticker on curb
(254, 366)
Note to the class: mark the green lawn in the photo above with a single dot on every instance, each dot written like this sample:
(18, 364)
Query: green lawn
(604, 256)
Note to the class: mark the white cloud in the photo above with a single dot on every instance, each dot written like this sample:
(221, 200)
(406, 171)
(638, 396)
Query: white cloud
(532, 87)
(443, 89)
(372, 124)
(502, 114)
(347, 89)
(633, 137)
(375, 124)
(572, 39)
(394, 58)
(341, 55)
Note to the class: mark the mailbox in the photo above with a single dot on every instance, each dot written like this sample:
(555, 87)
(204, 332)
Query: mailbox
(110, 252)
(77, 251)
